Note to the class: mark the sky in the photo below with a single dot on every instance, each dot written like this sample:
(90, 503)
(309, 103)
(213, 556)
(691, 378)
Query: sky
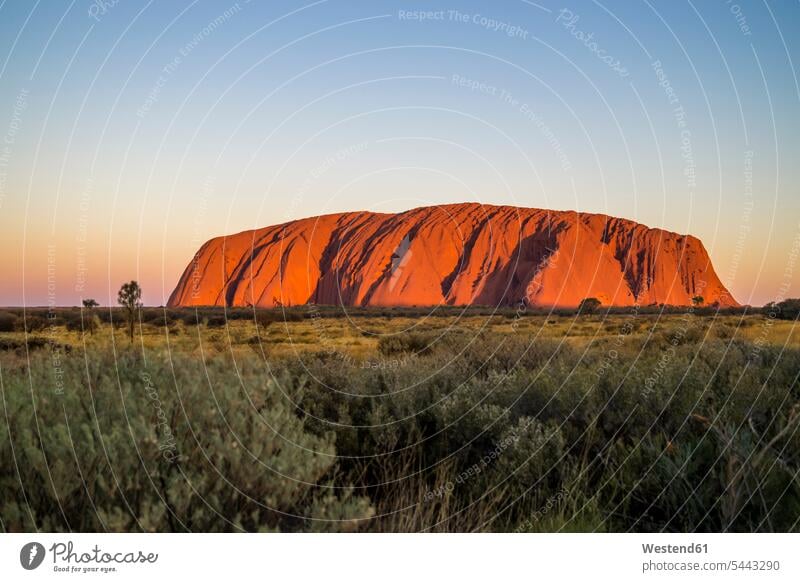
(131, 132)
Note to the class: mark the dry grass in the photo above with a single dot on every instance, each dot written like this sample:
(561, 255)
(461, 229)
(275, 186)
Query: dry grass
(358, 337)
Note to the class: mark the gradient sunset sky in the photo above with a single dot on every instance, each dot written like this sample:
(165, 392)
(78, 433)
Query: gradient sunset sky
(134, 131)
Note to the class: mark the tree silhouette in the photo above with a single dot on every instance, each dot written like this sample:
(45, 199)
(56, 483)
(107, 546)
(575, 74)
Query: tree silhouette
(697, 300)
(129, 296)
(589, 305)
(90, 322)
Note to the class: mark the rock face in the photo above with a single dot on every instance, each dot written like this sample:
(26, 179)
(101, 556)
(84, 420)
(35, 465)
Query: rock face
(460, 254)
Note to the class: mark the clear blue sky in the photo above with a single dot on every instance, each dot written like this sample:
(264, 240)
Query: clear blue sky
(135, 131)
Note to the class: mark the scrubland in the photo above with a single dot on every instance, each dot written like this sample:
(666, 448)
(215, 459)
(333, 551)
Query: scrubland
(399, 420)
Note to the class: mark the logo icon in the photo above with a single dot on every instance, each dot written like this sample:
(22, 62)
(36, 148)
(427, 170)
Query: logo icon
(31, 555)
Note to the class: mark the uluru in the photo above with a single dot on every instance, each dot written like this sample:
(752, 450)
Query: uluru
(456, 254)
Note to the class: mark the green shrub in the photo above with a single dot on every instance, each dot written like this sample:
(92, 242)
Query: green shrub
(8, 321)
(32, 324)
(129, 447)
(788, 309)
(90, 323)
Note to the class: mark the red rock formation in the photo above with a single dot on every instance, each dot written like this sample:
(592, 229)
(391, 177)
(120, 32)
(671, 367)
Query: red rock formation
(456, 254)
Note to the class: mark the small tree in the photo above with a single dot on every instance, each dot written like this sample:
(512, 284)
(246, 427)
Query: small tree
(697, 300)
(129, 296)
(589, 305)
(91, 320)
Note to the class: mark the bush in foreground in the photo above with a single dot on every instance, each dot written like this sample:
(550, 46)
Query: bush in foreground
(670, 429)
